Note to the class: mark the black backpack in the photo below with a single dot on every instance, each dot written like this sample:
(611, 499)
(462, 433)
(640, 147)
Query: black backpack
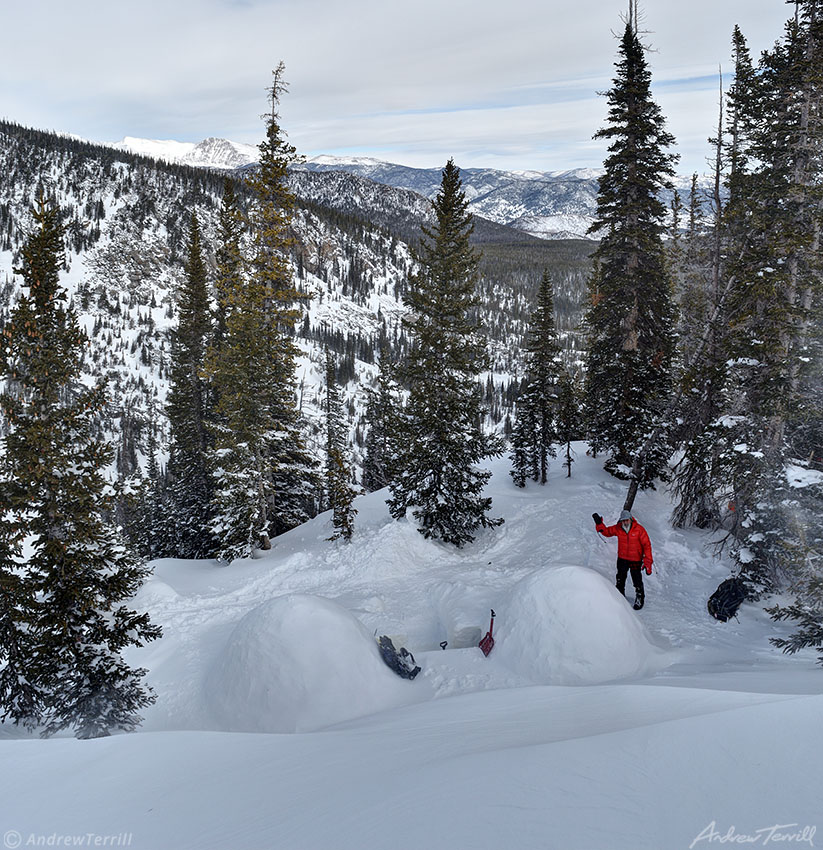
(725, 601)
(399, 660)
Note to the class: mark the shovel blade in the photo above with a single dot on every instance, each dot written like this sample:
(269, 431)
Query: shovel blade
(487, 644)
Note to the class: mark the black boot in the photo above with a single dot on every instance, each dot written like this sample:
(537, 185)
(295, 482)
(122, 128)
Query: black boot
(638, 600)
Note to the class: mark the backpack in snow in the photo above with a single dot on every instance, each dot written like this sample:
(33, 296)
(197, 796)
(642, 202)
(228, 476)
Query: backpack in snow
(725, 601)
(400, 660)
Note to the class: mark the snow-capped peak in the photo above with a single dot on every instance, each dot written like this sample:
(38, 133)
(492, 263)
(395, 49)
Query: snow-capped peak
(210, 153)
(221, 153)
(166, 149)
(328, 160)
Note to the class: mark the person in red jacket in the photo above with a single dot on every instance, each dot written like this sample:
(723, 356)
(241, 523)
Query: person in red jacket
(634, 552)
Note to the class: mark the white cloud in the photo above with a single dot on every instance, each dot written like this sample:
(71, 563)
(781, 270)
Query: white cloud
(511, 84)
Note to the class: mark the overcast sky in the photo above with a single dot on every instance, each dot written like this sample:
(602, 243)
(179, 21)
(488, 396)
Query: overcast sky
(507, 84)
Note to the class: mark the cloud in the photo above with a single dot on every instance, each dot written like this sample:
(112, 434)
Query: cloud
(515, 82)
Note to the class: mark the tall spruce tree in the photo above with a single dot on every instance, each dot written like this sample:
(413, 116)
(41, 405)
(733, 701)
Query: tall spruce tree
(631, 316)
(441, 432)
(341, 491)
(381, 410)
(232, 227)
(704, 380)
(70, 583)
(774, 219)
(21, 696)
(189, 487)
(774, 304)
(535, 427)
(293, 471)
(804, 429)
(266, 481)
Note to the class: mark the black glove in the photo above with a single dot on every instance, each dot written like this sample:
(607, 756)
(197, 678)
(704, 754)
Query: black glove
(597, 518)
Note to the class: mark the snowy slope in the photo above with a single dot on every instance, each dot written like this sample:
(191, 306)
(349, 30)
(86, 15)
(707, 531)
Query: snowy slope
(589, 726)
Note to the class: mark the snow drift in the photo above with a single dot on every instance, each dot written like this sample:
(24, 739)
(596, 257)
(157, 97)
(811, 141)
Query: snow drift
(298, 663)
(568, 625)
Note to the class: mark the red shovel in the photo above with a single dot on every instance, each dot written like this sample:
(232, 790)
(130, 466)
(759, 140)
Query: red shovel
(487, 644)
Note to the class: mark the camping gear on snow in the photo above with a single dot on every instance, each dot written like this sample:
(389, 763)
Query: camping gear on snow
(725, 601)
(487, 644)
(399, 660)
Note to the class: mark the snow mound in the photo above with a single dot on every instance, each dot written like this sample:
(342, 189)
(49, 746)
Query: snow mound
(568, 625)
(299, 663)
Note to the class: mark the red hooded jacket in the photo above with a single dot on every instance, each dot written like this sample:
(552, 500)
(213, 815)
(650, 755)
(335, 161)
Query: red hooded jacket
(632, 546)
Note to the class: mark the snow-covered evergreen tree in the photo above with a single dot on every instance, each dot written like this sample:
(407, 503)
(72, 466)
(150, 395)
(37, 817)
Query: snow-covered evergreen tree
(265, 480)
(151, 529)
(232, 226)
(381, 417)
(341, 491)
(631, 315)
(774, 301)
(535, 427)
(189, 482)
(704, 381)
(21, 698)
(441, 437)
(73, 575)
(293, 471)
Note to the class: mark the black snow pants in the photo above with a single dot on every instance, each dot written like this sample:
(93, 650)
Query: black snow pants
(623, 568)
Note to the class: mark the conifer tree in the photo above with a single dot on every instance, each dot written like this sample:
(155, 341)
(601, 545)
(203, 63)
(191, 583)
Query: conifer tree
(631, 316)
(21, 697)
(340, 490)
(293, 471)
(704, 380)
(70, 585)
(535, 428)
(151, 532)
(265, 479)
(228, 257)
(775, 220)
(569, 418)
(188, 410)
(440, 433)
(381, 418)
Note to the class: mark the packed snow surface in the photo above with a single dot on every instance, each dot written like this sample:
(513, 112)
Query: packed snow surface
(588, 726)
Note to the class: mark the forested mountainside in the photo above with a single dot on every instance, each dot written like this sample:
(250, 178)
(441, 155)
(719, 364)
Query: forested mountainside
(126, 218)
(553, 205)
(550, 205)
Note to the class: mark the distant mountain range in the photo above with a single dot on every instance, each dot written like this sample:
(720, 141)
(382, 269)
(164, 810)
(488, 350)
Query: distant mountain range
(543, 204)
(549, 205)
